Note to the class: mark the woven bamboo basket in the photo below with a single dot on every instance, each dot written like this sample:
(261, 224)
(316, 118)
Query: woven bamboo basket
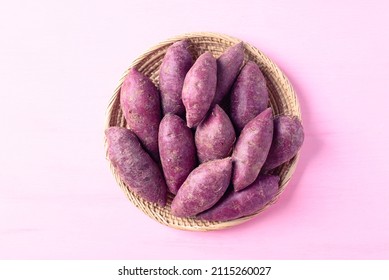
(283, 101)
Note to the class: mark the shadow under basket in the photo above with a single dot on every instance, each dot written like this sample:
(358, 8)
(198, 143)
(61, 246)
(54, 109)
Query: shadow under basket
(283, 101)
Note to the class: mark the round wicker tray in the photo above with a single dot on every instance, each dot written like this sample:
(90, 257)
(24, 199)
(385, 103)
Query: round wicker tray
(283, 101)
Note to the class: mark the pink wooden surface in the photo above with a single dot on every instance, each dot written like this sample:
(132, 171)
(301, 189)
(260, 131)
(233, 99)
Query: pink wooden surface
(59, 64)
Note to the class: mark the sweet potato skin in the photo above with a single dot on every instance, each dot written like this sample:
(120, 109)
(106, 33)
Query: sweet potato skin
(251, 149)
(177, 151)
(235, 205)
(175, 65)
(135, 166)
(215, 136)
(204, 186)
(249, 95)
(228, 65)
(141, 105)
(288, 137)
(199, 89)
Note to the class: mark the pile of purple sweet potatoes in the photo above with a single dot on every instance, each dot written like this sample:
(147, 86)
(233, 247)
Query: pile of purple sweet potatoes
(206, 135)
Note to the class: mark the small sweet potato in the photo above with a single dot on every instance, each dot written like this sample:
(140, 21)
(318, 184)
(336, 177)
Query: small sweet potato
(235, 205)
(175, 64)
(135, 166)
(288, 137)
(177, 151)
(249, 95)
(251, 149)
(214, 136)
(140, 102)
(204, 186)
(199, 88)
(228, 65)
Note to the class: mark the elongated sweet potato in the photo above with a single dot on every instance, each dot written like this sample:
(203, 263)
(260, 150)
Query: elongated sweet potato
(199, 88)
(288, 137)
(214, 136)
(204, 186)
(177, 151)
(140, 102)
(249, 95)
(251, 149)
(175, 64)
(235, 205)
(135, 166)
(228, 65)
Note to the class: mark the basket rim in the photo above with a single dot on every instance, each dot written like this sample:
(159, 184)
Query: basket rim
(109, 110)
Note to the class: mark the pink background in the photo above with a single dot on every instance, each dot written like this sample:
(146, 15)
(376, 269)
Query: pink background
(59, 65)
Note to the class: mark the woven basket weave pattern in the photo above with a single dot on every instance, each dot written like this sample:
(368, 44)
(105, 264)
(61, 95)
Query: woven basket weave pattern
(283, 101)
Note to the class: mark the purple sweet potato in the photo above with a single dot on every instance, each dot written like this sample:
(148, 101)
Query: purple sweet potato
(251, 149)
(177, 151)
(140, 102)
(288, 137)
(135, 166)
(199, 88)
(204, 186)
(235, 205)
(175, 64)
(249, 95)
(228, 65)
(214, 136)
